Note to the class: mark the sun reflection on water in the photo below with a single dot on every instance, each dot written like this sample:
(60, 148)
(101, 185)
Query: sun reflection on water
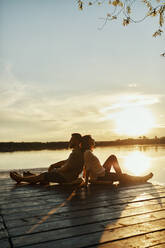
(137, 163)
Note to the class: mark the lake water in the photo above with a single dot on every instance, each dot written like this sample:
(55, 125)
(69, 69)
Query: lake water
(134, 160)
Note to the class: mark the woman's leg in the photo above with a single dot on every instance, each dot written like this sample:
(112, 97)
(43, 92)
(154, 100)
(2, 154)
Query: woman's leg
(125, 178)
(122, 177)
(109, 177)
(112, 162)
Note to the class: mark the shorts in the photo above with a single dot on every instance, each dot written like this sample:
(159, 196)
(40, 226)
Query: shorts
(109, 176)
(54, 177)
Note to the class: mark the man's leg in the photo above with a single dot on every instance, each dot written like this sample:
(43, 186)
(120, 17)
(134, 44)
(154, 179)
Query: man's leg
(112, 162)
(29, 179)
(56, 165)
(43, 178)
(28, 173)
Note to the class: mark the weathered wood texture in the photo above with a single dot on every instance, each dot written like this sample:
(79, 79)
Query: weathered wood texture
(35, 216)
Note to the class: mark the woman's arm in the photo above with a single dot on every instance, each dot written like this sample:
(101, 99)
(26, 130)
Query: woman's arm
(87, 166)
(85, 176)
(84, 173)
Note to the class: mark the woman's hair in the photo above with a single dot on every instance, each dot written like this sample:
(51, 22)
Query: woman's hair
(85, 144)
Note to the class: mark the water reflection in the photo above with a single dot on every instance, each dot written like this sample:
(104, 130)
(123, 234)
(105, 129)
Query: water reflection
(135, 160)
(148, 147)
(137, 163)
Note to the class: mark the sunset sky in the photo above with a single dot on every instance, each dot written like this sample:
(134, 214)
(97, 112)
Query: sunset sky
(60, 74)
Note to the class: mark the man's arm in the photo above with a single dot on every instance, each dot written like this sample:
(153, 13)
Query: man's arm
(86, 178)
(87, 166)
(56, 165)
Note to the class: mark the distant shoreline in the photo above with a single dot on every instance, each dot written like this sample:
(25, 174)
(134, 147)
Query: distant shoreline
(36, 146)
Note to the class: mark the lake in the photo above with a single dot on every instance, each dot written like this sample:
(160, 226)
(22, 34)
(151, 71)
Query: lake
(134, 160)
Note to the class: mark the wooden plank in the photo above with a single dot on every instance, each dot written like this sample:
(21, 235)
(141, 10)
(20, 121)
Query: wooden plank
(29, 191)
(4, 243)
(55, 224)
(41, 190)
(100, 215)
(47, 202)
(87, 198)
(142, 241)
(71, 211)
(3, 231)
(139, 241)
(19, 188)
(57, 199)
(95, 214)
(43, 204)
(157, 246)
(86, 229)
(1, 219)
(78, 205)
(33, 198)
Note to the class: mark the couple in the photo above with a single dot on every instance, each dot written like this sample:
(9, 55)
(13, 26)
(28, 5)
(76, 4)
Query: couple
(68, 171)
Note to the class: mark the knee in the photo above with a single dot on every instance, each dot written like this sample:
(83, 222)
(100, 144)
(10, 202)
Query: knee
(44, 176)
(112, 157)
(50, 168)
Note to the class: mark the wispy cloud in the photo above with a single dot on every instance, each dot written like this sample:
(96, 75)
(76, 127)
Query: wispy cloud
(29, 112)
(133, 100)
(132, 85)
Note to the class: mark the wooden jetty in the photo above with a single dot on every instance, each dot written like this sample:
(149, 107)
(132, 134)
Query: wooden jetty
(35, 216)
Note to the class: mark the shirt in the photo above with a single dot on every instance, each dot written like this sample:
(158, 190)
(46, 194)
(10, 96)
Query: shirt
(73, 166)
(92, 165)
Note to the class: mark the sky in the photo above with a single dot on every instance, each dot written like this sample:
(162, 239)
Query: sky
(60, 73)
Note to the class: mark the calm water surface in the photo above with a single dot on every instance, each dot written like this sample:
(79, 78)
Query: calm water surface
(135, 160)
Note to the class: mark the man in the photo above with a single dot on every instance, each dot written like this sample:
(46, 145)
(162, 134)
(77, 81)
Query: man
(62, 172)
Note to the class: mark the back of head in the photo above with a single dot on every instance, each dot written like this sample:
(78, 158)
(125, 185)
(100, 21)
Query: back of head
(77, 136)
(85, 144)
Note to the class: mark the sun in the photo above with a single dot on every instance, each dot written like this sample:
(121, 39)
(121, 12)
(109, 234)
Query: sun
(134, 121)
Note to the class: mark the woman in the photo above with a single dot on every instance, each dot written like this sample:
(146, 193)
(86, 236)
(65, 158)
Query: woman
(96, 172)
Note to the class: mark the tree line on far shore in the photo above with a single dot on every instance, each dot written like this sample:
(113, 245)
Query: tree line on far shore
(35, 146)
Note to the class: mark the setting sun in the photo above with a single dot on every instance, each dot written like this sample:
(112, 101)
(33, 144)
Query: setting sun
(134, 121)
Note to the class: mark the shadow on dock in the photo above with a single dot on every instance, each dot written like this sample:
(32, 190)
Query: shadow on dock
(36, 216)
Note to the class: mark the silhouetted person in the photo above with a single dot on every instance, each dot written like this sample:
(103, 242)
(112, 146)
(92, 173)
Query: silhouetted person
(96, 172)
(61, 172)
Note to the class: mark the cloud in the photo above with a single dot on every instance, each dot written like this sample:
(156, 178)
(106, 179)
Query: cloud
(132, 85)
(31, 111)
(44, 117)
(126, 100)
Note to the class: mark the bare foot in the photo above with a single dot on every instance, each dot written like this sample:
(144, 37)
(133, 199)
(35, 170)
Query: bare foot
(28, 173)
(15, 176)
(147, 177)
